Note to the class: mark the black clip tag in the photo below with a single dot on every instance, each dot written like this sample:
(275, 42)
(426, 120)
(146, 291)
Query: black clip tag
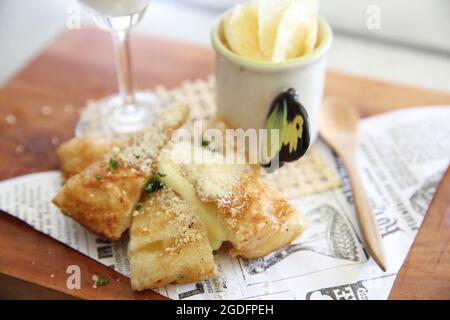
(288, 131)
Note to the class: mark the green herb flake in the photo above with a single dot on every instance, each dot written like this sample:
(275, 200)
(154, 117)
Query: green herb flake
(138, 206)
(154, 183)
(205, 143)
(101, 281)
(136, 156)
(160, 175)
(98, 178)
(113, 164)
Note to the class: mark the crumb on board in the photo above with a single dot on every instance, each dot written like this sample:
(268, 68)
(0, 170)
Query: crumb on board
(10, 119)
(20, 149)
(55, 141)
(46, 110)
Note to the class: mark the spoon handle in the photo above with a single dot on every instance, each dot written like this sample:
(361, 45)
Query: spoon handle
(366, 218)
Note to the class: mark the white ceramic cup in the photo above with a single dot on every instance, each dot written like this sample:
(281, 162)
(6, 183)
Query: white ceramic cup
(246, 88)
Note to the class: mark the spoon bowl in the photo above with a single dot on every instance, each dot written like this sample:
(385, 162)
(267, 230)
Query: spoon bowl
(339, 121)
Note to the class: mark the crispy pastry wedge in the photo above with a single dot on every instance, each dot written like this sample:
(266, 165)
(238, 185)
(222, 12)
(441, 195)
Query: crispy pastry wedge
(78, 153)
(168, 243)
(102, 197)
(232, 200)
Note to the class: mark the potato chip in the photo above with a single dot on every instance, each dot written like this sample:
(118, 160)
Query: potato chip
(270, 14)
(292, 33)
(311, 38)
(284, 27)
(241, 32)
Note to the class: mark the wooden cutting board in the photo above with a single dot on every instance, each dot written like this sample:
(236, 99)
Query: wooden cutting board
(79, 66)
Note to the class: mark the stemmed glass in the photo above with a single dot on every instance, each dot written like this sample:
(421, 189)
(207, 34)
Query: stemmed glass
(129, 111)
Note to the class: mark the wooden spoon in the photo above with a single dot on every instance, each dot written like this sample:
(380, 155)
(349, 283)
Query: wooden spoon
(339, 128)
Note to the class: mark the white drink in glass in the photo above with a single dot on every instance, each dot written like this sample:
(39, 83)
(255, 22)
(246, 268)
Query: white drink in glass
(117, 8)
(130, 111)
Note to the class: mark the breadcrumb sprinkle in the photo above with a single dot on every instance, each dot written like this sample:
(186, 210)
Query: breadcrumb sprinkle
(182, 223)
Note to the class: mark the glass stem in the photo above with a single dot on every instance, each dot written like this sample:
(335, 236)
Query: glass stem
(123, 68)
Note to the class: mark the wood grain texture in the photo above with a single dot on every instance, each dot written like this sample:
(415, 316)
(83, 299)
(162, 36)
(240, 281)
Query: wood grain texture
(79, 66)
(426, 271)
(34, 257)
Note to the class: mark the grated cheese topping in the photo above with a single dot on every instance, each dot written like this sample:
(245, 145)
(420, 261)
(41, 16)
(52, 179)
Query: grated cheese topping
(141, 151)
(183, 225)
(212, 177)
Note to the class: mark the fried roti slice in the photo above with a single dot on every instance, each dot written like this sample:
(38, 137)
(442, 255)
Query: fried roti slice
(168, 243)
(76, 154)
(232, 200)
(102, 197)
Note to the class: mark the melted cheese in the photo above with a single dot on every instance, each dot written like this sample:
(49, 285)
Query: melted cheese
(174, 180)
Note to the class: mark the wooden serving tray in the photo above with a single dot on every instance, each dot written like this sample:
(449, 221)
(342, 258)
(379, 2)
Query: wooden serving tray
(79, 66)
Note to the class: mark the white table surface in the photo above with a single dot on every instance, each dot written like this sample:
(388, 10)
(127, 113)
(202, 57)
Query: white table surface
(27, 26)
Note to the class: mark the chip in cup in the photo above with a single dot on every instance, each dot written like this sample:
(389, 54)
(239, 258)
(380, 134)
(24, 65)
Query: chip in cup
(297, 31)
(311, 38)
(241, 32)
(270, 13)
(272, 30)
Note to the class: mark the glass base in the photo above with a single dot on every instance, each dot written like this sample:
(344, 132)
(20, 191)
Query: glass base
(108, 117)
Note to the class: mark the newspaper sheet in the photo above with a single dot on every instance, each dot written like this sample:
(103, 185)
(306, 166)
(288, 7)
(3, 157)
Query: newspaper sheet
(402, 157)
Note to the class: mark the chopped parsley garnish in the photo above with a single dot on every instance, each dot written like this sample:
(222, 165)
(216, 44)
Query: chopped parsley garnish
(205, 143)
(98, 178)
(138, 206)
(113, 164)
(101, 281)
(159, 174)
(136, 156)
(154, 183)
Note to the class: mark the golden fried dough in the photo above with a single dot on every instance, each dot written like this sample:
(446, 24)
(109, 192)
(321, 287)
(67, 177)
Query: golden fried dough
(168, 243)
(78, 153)
(103, 196)
(232, 199)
